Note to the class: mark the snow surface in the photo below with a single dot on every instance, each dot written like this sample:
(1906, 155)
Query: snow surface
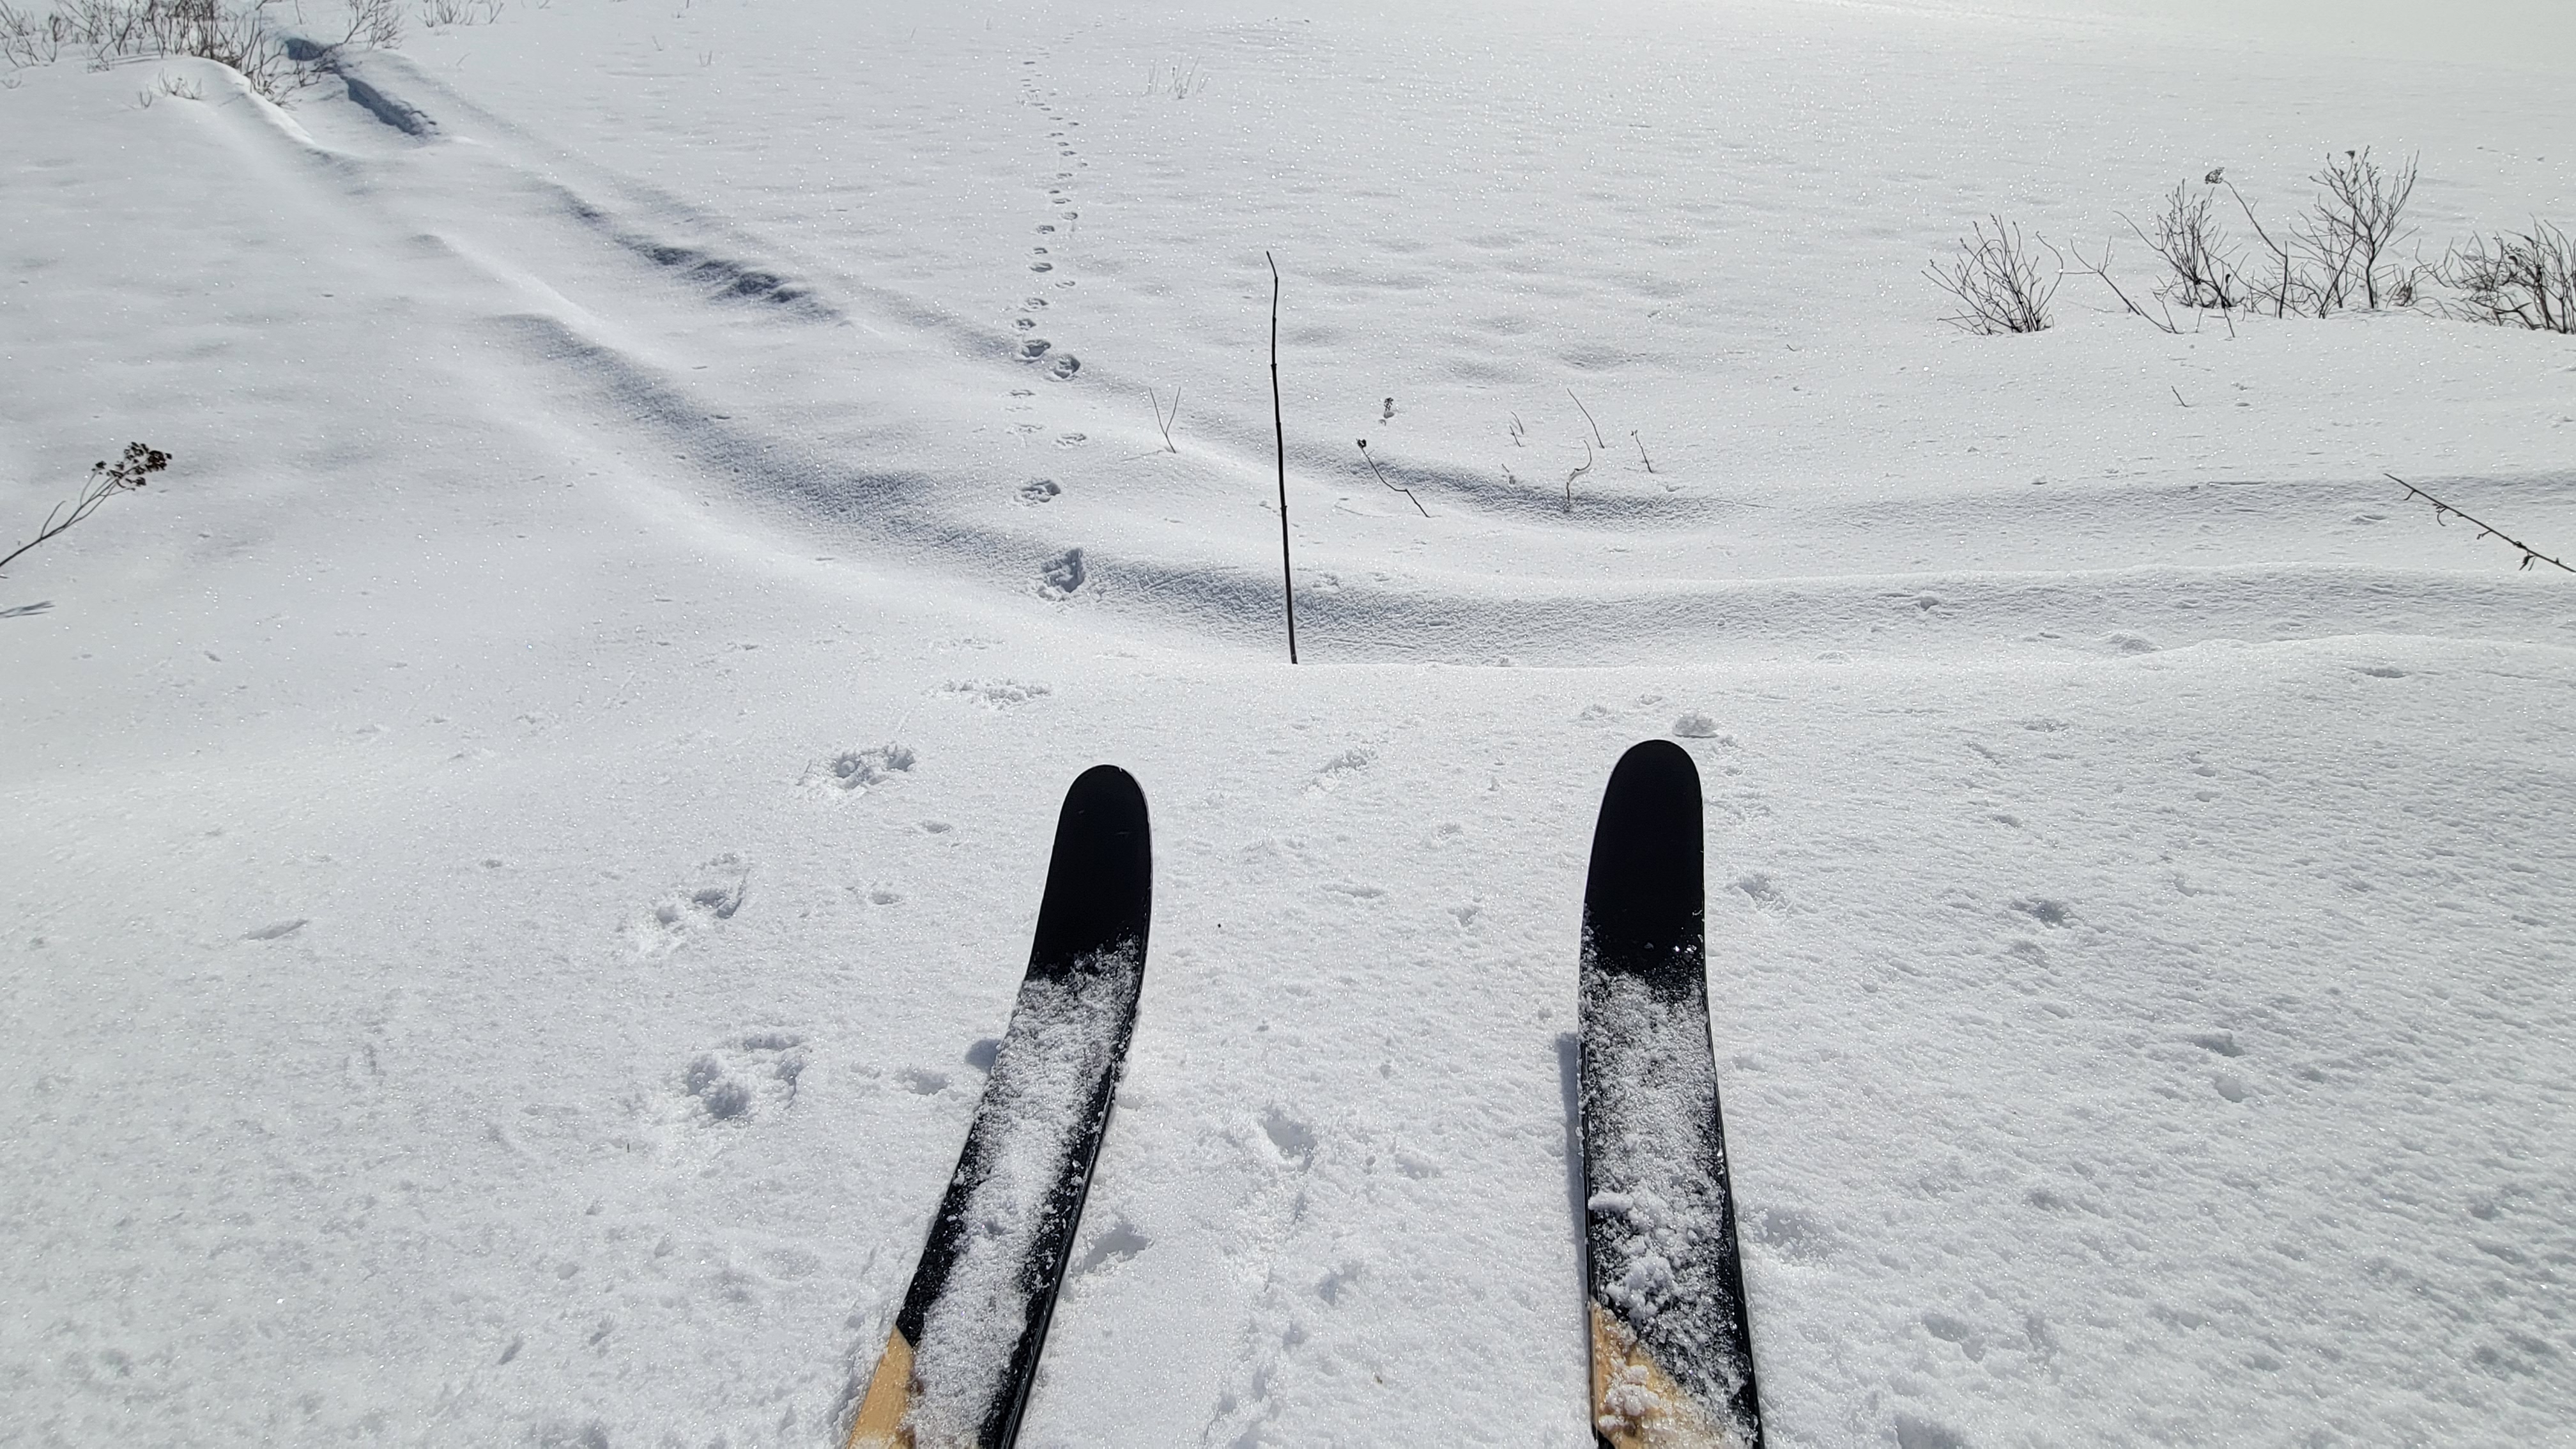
(622, 602)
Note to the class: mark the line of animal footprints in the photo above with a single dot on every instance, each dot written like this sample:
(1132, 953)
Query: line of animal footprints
(1063, 365)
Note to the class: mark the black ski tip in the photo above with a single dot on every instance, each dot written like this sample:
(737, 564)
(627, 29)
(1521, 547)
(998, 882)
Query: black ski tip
(1100, 884)
(1645, 898)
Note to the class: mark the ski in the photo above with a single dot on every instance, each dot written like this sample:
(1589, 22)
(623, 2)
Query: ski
(958, 1364)
(1672, 1353)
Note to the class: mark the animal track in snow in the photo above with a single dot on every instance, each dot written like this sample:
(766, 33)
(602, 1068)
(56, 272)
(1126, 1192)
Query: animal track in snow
(1061, 575)
(996, 693)
(750, 1079)
(715, 893)
(1120, 1243)
(1039, 490)
(859, 770)
(1294, 1140)
(1065, 367)
(1763, 891)
(1339, 769)
(2046, 912)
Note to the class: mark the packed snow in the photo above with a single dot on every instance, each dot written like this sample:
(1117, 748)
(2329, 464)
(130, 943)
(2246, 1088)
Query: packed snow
(1651, 1144)
(522, 841)
(1065, 1038)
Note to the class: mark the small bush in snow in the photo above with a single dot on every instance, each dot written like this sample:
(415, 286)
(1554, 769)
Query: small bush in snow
(2338, 255)
(1996, 281)
(2517, 279)
(251, 38)
(440, 13)
(2351, 233)
(2201, 263)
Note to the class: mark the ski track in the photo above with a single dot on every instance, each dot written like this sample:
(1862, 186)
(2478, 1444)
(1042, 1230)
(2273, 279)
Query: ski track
(624, 366)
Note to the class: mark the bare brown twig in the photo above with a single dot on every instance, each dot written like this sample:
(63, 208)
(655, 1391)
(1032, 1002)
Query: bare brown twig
(1381, 477)
(2443, 513)
(1587, 417)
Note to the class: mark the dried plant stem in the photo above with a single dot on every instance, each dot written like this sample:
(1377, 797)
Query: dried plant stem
(127, 473)
(1381, 477)
(1587, 417)
(2443, 513)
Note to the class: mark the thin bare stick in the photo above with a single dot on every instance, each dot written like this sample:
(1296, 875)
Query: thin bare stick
(1641, 450)
(1577, 473)
(1518, 432)
(2177, 392)
(1381, 477)
(2280, 298)
(2102, 274)
(1162, 422)
(1587, 417)
(1279, 430)
(2443, 513)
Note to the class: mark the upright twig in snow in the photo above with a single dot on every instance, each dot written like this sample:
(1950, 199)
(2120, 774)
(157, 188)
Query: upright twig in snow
(2102, 274)
(122, 476)
(1279, 430)
(1587, 417)
(1519, 433)
(1641, 450)
(1163, 422)
(2443, 513)
(1381, 477)
(1577, 473)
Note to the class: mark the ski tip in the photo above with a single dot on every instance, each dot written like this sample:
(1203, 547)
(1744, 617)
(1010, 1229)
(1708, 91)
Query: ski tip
(1100, 883)
(1645, 884)
(1652, 801)
(1657, 765)
(1105, 784)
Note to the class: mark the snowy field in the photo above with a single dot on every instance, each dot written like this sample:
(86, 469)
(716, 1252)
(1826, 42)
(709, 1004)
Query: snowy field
(518, 845)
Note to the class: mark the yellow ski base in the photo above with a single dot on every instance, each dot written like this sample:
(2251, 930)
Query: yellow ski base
(1636, 1405)
(880, 1421)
